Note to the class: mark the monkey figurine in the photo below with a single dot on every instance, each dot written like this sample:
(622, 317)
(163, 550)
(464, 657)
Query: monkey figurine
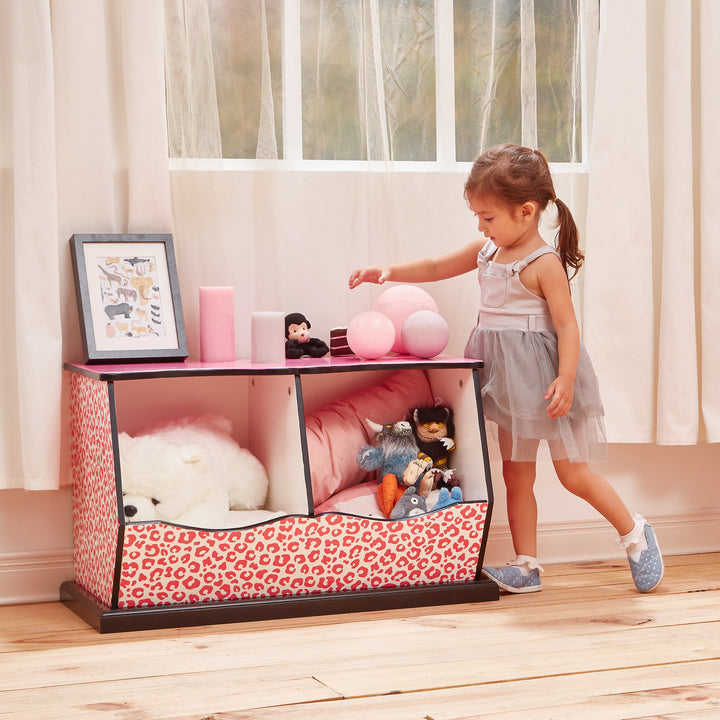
(298, 342)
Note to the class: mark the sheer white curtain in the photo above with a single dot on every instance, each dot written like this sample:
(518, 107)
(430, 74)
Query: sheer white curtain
(651, 318)
(29, 311)
(83, 148)
(358, 83)
(192, 107)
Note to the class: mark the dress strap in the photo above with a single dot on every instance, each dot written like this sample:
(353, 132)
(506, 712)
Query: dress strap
(520, 265)
(488, 249)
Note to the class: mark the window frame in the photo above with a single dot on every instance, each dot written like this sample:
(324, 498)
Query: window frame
(292, 159)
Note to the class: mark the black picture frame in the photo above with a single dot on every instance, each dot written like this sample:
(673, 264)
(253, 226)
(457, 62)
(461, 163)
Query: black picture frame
(128, 298)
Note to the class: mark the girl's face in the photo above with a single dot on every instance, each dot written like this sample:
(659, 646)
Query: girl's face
(504, 224)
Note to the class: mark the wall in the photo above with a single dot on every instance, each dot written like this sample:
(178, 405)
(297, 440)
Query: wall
(289, 241)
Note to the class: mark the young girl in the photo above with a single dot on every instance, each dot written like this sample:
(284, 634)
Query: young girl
(537, 381)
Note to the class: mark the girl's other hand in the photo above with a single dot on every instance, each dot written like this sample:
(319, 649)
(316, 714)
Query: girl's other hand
(369, 274)
(561, 392)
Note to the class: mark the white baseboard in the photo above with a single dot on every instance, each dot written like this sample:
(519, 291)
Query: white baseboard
(595, 539)
(36, 576)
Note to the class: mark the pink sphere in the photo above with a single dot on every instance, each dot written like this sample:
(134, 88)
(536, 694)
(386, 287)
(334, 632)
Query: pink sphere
(398, 303)
(370, 335)
(425, 334)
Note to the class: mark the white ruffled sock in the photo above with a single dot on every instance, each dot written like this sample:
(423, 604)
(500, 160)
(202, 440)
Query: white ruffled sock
(526, 563)
(634, 542)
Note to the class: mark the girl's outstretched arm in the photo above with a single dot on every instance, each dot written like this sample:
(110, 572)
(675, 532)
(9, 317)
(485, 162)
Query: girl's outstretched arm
(423, 269)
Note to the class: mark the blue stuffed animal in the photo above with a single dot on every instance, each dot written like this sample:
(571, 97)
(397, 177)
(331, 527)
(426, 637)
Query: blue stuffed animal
(411, 504)
(395, 455)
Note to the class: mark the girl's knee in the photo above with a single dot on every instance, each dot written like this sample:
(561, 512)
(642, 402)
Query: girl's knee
(518, 473)
(576, 478)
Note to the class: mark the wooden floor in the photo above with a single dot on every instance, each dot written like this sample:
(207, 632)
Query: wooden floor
(587, 646)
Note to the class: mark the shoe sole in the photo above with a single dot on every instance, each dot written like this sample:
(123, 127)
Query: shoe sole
(509, 588)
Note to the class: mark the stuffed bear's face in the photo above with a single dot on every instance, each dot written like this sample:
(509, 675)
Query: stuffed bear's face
(140, 507)
(161, 481)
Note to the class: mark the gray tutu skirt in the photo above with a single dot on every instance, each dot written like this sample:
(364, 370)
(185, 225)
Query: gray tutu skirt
(519, 367)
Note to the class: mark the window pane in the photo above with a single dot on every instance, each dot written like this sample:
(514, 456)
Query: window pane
(367, 72)
(368, 80)
(247, 59)
(408, 37)
(489, 47)
(558, 80)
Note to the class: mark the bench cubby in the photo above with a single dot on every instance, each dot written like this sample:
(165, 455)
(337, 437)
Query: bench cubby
(137, 575)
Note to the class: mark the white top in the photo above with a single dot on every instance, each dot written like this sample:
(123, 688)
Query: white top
(504, 301)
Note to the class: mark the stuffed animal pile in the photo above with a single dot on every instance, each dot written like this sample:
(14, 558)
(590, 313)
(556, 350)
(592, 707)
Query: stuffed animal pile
(192, 472)
(412, 459)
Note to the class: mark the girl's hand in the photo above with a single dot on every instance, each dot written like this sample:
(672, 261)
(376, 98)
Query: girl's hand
(561, 392)
(369, 274)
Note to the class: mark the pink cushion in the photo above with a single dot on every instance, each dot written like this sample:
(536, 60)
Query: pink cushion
(337, 431)
(356, 500)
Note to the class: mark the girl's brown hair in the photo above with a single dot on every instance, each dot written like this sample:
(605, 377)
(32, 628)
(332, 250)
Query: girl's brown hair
(515, 175)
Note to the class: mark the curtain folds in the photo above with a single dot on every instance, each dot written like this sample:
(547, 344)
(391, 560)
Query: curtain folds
(650, 303)
(83, 148)
(191, 96)
(30, 312)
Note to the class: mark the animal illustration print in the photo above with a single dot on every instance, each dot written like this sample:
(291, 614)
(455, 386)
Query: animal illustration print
(130, 292)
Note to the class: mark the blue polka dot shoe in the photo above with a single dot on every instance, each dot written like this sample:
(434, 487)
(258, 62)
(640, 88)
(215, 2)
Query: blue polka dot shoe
(515, 578)
(647, 567)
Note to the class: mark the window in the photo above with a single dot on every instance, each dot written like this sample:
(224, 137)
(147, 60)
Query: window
(420, 81)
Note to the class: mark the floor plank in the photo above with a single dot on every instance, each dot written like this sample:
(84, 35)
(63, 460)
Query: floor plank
(587, 646)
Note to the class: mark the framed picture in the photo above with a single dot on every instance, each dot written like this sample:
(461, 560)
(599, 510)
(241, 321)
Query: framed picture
(128, 298)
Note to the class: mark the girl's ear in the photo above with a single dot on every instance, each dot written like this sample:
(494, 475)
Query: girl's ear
(528, 210)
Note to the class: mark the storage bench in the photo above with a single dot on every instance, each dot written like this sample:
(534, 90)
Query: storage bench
(135, 575)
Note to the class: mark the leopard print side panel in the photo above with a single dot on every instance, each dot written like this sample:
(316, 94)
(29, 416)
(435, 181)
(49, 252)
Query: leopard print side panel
(95, 513)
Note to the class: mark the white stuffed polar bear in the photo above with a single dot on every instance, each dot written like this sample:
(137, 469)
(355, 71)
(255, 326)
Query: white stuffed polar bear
(192, 472)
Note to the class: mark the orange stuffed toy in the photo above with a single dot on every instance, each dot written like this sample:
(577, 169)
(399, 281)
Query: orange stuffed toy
(395, 455)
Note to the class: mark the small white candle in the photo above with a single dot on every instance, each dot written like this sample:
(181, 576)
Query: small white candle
(217, 324)
(267, 337)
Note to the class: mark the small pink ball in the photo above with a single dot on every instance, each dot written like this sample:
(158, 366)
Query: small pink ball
(370, 335)
(425, 334)
(398, 303)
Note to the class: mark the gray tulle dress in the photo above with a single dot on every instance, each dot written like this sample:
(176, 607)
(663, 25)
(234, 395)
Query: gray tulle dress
(516, 340)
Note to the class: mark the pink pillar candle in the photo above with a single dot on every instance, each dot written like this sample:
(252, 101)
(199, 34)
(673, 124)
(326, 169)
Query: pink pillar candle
(217, 324)
(268, 337)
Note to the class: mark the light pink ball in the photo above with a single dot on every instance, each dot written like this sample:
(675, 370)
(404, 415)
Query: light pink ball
(425, 334)
(370, 335)
(398, 303)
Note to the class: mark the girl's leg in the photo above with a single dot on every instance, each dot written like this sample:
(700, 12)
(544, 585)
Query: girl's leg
(594, 489)
(636, 536)
(521, 506)
(519, 480)
(522, 575)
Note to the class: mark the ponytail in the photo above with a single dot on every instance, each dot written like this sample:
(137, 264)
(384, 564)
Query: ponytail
(567, 240)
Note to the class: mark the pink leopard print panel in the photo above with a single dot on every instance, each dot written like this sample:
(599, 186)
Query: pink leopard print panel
(165, 565)
(95, 510)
